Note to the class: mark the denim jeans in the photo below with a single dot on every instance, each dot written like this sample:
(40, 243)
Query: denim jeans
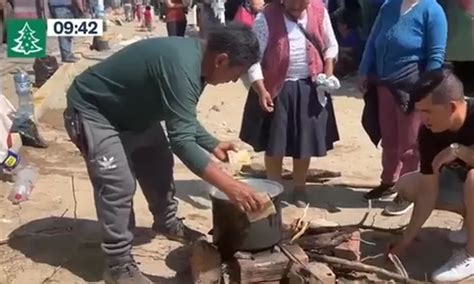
(65, 42)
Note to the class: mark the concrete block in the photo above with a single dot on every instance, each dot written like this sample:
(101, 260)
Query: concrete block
(57, 84)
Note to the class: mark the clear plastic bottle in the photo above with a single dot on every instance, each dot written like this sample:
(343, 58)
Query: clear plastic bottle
(25, 180)
(24, 176)
(23, 90)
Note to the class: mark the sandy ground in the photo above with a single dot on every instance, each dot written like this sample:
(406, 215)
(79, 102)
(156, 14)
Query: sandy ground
(59, 236)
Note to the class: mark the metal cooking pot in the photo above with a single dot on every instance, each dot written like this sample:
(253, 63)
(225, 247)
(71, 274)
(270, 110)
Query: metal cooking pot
(233, 232)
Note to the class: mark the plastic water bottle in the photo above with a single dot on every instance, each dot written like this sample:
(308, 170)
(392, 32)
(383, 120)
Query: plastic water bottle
(24, 176)
(23, 90)
(25, 180)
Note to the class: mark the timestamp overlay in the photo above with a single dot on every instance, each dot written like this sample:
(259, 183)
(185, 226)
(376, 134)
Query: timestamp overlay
(75, 27)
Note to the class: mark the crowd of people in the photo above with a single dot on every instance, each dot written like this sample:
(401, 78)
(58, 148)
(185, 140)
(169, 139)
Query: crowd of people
(291, 54)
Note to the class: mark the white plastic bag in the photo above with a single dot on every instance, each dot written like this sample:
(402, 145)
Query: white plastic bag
(325, 85)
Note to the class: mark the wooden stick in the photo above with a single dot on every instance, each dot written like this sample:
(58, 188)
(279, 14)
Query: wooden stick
(358, 266)
(398, 264)
(300, 233)
(297, 261)
(73, 187)
(64, 213)
(50, 277)
(301, 219)
(351, 184)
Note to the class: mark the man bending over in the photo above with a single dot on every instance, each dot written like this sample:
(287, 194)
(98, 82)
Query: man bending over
(113, 115)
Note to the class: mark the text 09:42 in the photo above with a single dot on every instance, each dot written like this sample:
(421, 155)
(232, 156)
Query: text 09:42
(75, 27)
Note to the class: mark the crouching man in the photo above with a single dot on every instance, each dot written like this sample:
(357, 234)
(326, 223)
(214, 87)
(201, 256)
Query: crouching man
(446, 177)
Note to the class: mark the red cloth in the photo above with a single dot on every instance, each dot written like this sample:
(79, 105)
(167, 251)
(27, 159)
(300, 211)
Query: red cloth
(275, 59)
(175, 15)
(244, 16)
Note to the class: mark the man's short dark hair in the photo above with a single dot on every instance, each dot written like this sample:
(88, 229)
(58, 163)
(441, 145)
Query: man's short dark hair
(237, 41)
(442, 84)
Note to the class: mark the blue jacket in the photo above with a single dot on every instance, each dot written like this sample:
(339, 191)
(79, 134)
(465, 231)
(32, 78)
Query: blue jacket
(399, 40)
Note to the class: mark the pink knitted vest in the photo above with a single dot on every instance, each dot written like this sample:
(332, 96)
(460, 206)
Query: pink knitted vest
(275, 59)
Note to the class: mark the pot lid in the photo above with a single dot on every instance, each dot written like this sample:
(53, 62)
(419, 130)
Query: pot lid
(270, 187)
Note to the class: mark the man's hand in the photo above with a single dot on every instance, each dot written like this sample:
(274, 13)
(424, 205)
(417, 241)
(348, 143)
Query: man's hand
(398, 247)
(220, 152)
(444, 157)
(245, 198)
(239, 193)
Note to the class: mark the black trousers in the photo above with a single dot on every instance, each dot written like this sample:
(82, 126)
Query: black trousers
(176, 28)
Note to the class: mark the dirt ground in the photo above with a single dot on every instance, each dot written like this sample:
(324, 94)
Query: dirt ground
(57, 236)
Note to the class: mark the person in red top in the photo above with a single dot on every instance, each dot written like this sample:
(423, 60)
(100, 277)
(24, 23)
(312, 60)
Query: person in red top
(175, 17)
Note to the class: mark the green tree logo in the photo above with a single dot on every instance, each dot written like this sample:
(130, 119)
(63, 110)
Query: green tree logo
(26, 38)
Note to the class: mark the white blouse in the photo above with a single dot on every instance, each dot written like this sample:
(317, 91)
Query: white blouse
(298, 65)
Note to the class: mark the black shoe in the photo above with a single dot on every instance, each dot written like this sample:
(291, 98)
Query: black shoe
(127, 273)
(383, 192)
(300, 198)
(179, 232)
(70, 59)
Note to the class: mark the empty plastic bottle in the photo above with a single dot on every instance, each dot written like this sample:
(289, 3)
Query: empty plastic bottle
(24, 176)
(25, 180)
